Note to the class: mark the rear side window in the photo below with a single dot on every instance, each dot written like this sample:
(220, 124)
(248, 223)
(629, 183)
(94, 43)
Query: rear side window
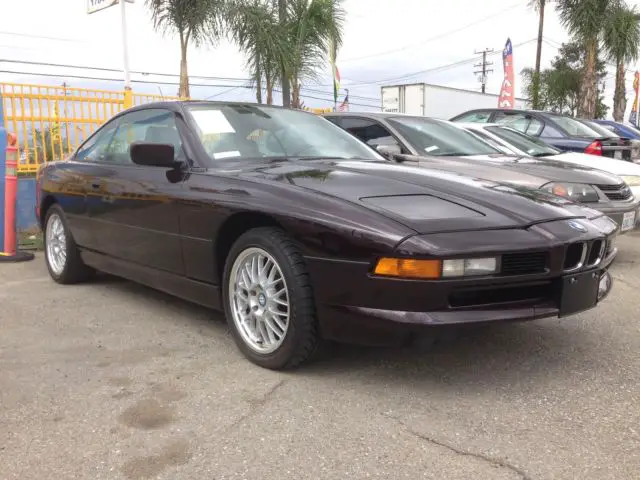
(369, 131)
(474, 117)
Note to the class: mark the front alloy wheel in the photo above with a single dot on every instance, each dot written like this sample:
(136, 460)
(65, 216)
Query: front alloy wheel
(259, 300)
(268, 299)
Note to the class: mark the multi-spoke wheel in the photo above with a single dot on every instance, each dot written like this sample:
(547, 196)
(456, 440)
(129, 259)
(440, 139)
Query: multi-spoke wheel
(61, 253)
(268, 299)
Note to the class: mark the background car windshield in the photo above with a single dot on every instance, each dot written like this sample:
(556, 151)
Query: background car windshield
(604, 132)
(436, 138)
(238, 132)
(531, 145)
(574, 127)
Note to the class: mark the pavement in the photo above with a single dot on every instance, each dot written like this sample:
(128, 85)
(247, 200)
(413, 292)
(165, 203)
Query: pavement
(110, 380)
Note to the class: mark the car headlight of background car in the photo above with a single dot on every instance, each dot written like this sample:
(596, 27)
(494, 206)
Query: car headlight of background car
(578, 192)
(434, 269)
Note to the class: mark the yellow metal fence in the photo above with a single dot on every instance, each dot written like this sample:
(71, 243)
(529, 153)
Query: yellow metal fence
(51, 122)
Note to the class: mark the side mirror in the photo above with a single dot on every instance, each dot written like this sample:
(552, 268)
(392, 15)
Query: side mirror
(153, 154)
(389, 151)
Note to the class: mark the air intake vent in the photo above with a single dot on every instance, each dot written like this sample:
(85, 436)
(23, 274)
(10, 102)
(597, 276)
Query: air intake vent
(596, 253)
(524, 263)
(616, 192)
(575, 256)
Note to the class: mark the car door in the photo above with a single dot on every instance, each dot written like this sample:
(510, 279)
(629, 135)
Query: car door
(134, 208)
(76, 179)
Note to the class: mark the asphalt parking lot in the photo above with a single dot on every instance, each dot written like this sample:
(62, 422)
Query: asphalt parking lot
(113, 380)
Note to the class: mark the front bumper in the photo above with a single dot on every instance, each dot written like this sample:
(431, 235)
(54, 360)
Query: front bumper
(617, 213)
(355, 306)
(387, 311)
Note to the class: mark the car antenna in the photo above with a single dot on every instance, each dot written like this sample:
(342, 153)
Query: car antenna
(160, 90)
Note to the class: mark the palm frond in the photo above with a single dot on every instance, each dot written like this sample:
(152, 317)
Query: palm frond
(621, 35)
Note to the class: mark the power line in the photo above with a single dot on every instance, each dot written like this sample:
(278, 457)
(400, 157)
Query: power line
(28, 35)
(437, 37)
(115, 70)
(434, 69)
(151, 82)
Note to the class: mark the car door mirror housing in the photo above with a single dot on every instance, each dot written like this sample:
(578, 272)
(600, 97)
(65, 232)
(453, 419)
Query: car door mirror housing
(389, 151)
(153, 154)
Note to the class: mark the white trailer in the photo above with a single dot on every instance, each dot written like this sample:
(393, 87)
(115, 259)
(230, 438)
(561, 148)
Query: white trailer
(436, 101)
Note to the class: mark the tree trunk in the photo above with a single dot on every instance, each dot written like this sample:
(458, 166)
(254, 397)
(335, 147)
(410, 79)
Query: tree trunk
(286, 92)
(536, 75)
(258, 81)
(183, 91)
(619, 97)
(588, 87)
(295, 93)
(269, 82)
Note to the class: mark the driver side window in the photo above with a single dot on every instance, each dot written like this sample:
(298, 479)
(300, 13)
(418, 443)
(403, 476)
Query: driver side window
(96, 149)
(153, 125)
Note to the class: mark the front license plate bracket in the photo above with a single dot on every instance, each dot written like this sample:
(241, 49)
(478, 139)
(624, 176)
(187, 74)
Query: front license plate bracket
(579, 292)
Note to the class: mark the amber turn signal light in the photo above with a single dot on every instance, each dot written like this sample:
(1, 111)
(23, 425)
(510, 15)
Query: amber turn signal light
(408, 268)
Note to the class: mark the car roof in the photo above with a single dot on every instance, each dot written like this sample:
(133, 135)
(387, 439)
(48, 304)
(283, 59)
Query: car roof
(381, 115)
(177, 104)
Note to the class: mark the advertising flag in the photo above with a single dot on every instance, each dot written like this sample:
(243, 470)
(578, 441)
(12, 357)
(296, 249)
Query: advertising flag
(633, 116)
(507, 91)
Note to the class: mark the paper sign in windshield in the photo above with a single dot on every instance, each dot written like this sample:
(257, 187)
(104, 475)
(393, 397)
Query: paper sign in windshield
(232, 153)
(212, 121)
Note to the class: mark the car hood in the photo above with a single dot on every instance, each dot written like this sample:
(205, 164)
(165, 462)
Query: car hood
(610, 165)
(425, 200)
(549, 169)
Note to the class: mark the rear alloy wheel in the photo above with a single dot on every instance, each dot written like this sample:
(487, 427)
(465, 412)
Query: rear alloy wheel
(60, 251)
(268, 300)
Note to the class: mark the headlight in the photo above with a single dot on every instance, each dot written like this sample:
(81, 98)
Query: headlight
(433, 269)
(578, 192)
(469, 266)
(631, 180)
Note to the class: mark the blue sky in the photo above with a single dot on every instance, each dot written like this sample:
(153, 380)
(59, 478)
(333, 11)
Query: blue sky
(383, 40)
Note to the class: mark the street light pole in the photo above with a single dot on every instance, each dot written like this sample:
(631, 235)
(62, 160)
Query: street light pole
(125, 52)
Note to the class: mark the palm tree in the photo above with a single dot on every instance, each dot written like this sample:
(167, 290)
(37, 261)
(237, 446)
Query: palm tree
(195, 21)
(538, 6)
(621, 38)
(312, 27)
(255, 28)
(584, 19)
(298, 46)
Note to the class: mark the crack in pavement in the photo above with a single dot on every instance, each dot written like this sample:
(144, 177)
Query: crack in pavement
(496, 462)
(255, 405)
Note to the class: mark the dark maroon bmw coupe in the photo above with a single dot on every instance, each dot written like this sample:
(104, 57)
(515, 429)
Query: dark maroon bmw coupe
(299, 231)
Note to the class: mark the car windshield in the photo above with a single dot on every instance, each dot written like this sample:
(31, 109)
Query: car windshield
(575, 128)
(244, 131)
(531, 145)
(438, 138)
(602, 130)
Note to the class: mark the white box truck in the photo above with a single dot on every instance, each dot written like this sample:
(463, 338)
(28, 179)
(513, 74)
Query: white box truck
(437, 101)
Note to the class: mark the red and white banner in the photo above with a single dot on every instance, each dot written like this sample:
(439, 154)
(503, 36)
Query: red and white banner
(507, 91)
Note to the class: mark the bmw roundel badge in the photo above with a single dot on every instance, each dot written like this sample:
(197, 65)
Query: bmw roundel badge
(577, 226)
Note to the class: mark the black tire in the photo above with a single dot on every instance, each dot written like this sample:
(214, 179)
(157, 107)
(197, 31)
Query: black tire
(74, 269)
(302, 337)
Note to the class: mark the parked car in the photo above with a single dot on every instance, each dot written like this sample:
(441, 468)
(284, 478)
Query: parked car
(299, 231)
(439, 144)
(513, 142)
(620, 129)
(561, 131)
(625, 142)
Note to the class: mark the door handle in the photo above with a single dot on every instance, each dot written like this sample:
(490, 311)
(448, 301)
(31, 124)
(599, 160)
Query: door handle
(95, 186)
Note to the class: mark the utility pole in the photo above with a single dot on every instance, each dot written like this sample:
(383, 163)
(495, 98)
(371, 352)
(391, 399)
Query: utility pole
(539, 6)
(483, 68)
(286, 93)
